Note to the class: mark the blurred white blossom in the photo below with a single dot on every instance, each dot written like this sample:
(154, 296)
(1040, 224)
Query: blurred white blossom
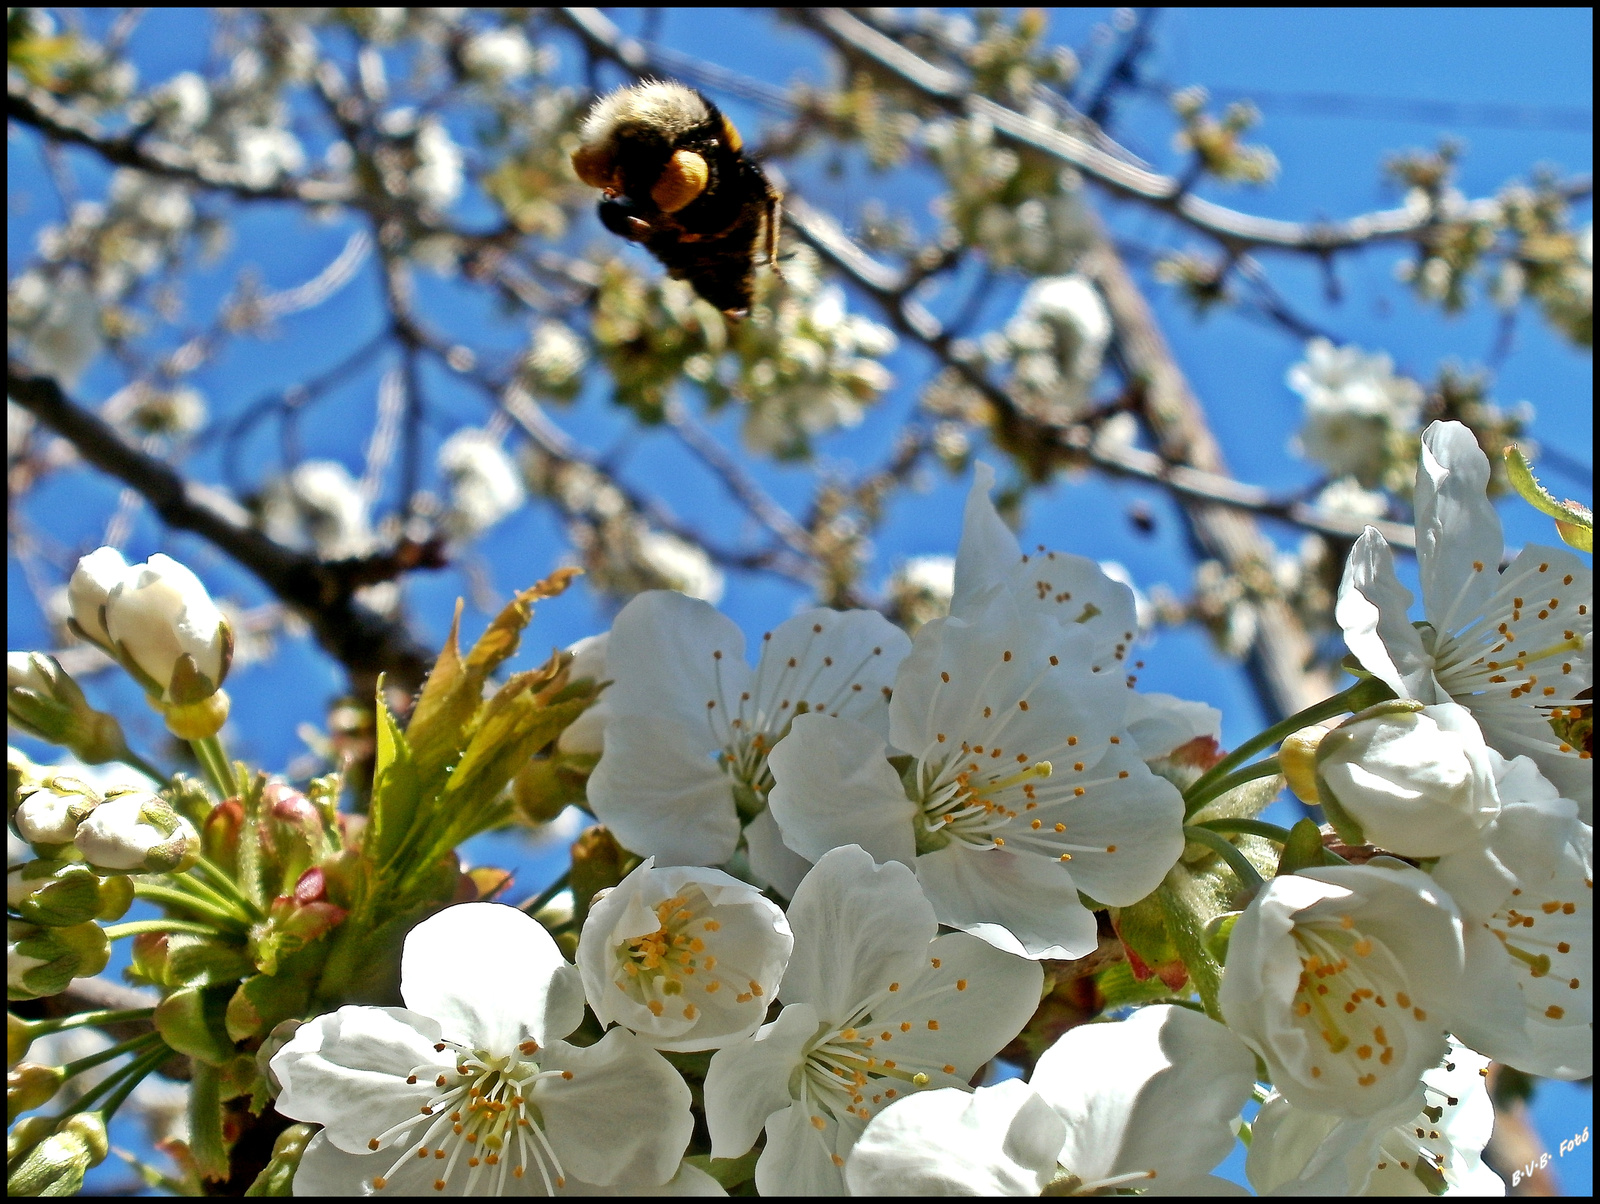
(484, 486)
(1354, 403)
(318, 507)
(496, 56)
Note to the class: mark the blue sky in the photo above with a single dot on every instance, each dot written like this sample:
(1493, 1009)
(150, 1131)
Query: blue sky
(1330, 167)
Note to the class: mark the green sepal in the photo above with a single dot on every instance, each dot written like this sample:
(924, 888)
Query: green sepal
(188, 684)
(266, 1000)
(1303, 849)
(277, 1177)
(729, 1172)
(192, 1020)
(59, 893)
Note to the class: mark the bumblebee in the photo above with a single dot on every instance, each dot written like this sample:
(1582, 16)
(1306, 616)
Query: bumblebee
(676, 180)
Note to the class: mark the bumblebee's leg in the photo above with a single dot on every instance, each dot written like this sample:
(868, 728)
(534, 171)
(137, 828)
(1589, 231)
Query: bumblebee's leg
(774, 221)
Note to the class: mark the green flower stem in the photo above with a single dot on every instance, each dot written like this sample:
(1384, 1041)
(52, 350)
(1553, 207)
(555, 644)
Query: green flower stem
(1250, 773)
(1229, 852)
(116, 932)
(131, 1078)
(228, 916)
(1364, 693)
(131, 1045)
(536, 904)
(1272, 832)
(43, 1028)
(193, 884)
(158, 1051)
(214, 761)
(1186, 922)
(128, 757)
(226, 886)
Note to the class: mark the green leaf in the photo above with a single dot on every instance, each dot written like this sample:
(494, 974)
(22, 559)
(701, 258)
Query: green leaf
(395, 793)
(1574, 521)
(453, 693)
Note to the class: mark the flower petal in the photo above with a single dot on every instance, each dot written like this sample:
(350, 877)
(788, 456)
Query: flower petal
(833, 786)
(1458, 532)
(1372, 610)
(837, 662)
(749, 1080)
(1124, 831)
(663, 659)
(491, 976)
(1158, 1091)
(799, 1156)
(773, 863)
(347, 1071)
(326, 1170)
(661, 794)
(965, 1006)
(997, 1141)
(1017, 902)
(988, 550)
(858, 926)
(1162, 723)
(622, 1115)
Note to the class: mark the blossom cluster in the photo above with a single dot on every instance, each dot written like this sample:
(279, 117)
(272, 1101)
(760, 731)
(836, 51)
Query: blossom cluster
(833, 885)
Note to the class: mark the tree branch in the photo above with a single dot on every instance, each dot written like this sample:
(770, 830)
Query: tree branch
(34, 106)
(1238, 231)
(1076, 439)
(361, 640)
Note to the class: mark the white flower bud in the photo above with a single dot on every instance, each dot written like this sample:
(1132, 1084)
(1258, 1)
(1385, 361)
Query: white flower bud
(1417, 780)
(97, 574)
(138, 833)
(165, 625)
(688, 958)
(52, 813)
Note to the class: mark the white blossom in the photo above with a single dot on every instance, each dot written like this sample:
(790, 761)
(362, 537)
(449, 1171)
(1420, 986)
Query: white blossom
(1346, 497)
(50, 814)
(875, 1005)
(56, 324)
(680, 565)
(1429, 1144)
(996, 1141)
(164, 624)
(1345, 980)
(1058, 338)
(319, 506)
(1148, 1103)
(691, 726)
(1419, 781)
(1353, 403)
(684, 956)
(1514, 647)
(497, 55)
(1526, 894)
(488, 1000)
(1022, 789)
(137, 832)
(483, 482)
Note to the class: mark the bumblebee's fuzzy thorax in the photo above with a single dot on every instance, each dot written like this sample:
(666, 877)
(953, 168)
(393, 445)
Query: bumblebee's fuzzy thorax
(676, 179)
